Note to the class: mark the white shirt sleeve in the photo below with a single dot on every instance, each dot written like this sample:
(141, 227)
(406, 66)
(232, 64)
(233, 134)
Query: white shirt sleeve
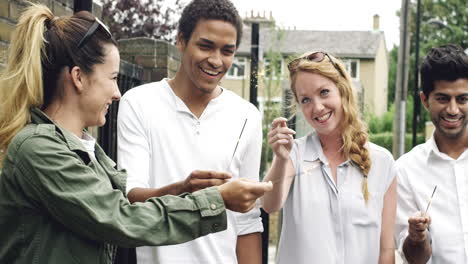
(132, 146)
(406, 207)
(251, 222)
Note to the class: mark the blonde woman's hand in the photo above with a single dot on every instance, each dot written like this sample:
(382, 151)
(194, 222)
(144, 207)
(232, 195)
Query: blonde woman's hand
(280, 138)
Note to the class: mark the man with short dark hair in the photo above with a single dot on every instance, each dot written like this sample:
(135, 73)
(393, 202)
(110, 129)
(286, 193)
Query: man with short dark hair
(438, 232)
(189, 125)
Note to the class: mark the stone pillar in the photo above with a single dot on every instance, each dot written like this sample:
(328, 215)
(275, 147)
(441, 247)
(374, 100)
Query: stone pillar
(159, 58)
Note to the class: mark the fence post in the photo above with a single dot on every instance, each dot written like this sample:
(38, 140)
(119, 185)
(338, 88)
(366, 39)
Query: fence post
(80, 5)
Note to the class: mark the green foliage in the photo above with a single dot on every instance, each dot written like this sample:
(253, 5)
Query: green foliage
(271, 77)
(385, 140)
(137, 18)
(423, 115)
(392, 73)
(381, 128)
(383, 123)
(454, 14)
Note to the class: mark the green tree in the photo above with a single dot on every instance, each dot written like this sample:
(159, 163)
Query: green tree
(393, 62)
(271, 78)
(454, 14)
(141, 18)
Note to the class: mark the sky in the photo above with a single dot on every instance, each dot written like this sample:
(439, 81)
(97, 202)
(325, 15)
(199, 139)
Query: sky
(329, 14)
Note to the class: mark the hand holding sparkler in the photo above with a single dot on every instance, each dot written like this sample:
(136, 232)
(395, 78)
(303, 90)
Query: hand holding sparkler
(280, 138)
(419, 223)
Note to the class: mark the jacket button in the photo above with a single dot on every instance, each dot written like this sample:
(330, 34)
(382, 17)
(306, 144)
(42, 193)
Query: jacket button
(213, 206)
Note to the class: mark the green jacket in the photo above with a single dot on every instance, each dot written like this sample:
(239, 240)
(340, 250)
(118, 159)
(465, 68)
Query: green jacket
(58, 205)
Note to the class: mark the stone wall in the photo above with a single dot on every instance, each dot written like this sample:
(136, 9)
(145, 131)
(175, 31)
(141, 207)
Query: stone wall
(10, 10)
(159, 58)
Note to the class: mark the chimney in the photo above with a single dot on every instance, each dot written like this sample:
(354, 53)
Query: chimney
(376, 22)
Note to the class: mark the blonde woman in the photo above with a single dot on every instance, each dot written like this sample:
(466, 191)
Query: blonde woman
(337, 190)
(61, 198)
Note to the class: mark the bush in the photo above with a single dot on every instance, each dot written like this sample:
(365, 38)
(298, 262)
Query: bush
(383, 123)
(385, 140)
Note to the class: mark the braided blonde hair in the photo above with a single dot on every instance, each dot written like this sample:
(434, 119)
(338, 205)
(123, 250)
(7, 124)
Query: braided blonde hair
(354, 131)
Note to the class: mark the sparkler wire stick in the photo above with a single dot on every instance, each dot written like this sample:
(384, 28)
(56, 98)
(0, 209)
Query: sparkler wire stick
(237, 144)
(430, 200)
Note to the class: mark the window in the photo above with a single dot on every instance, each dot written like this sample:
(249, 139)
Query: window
(272, 106)
(237, 70)
(352, 67)
(273, 70)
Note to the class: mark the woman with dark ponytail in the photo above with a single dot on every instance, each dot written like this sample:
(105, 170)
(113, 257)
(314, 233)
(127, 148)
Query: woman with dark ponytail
(337, 190)
(61, 198)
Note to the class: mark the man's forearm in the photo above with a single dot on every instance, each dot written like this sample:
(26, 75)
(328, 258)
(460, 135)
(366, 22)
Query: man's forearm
(143, 194)
(417, 252)
(249, 249)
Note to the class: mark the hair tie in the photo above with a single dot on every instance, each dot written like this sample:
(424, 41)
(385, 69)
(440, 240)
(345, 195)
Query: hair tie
(51, 22)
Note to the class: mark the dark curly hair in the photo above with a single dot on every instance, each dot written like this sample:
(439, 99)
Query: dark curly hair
(445, 63)
(209, 9)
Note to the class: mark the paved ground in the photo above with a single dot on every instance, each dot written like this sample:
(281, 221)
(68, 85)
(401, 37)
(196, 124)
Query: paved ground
(272, 254)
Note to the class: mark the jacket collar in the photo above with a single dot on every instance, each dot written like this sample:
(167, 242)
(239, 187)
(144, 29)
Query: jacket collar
(73, 142)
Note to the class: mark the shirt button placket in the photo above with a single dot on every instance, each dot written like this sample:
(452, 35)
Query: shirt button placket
(197, 127)
(462, 186)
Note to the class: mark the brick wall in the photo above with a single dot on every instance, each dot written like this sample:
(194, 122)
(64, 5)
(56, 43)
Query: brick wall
(10, 11)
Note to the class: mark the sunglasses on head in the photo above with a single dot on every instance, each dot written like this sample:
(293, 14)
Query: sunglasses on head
(315, 57)
(91, 32)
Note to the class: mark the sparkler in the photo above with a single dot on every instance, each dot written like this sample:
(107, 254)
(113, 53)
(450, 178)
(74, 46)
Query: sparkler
(430, 199)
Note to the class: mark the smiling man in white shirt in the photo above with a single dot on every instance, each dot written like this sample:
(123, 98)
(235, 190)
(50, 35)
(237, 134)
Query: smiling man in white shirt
(179, 135)
(440, 235)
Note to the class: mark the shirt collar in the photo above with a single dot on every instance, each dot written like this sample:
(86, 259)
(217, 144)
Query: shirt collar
(433, 151)
(180, 106)
(314, 151)
(73, 142)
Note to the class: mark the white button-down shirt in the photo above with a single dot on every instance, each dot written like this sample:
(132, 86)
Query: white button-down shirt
(419, 171)
(161, 142)
(328, 222)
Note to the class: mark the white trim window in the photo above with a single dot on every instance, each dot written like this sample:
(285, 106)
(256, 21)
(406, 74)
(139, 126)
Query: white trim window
(352, 67)
(275, 102)
(275, 71)
(238, 67)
